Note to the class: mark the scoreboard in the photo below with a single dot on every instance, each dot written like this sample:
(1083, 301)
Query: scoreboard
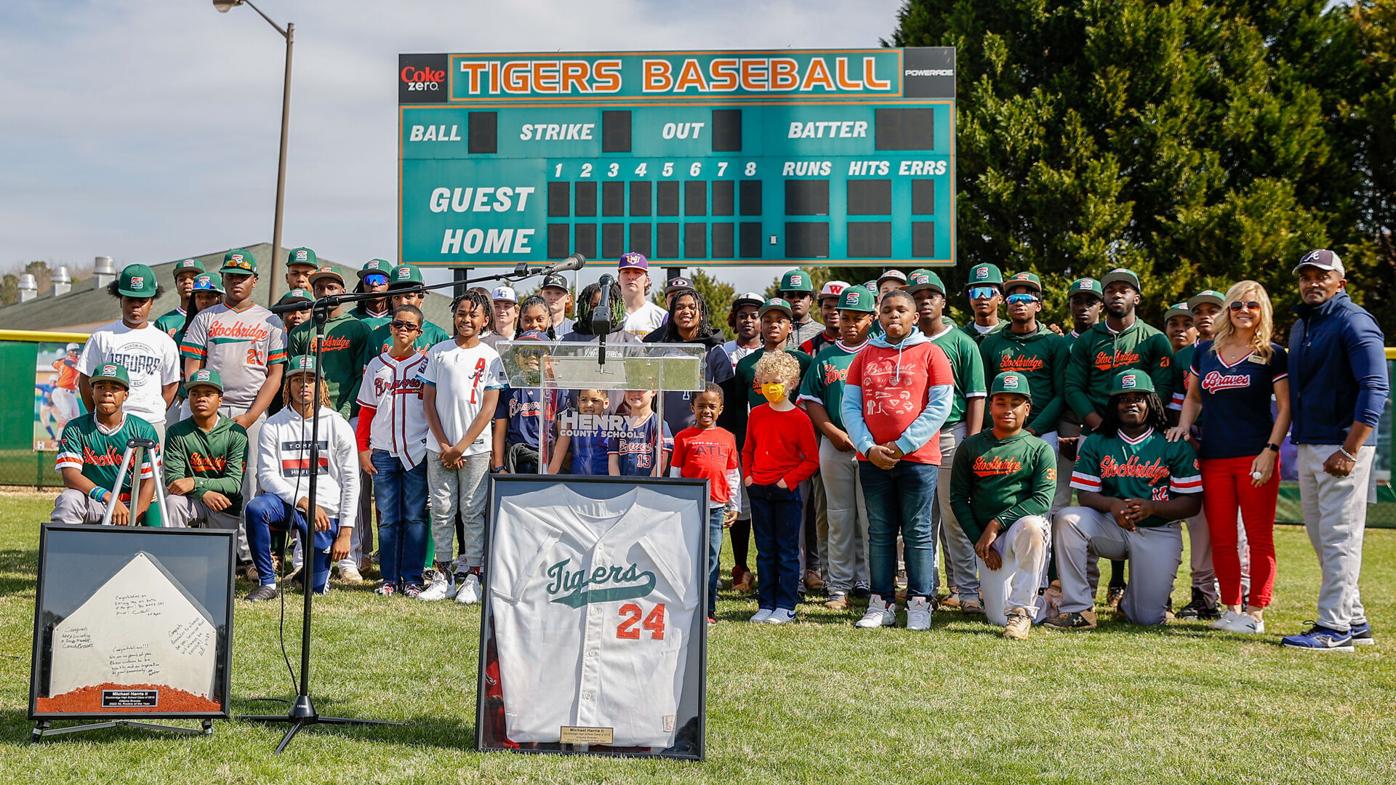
(742, 158)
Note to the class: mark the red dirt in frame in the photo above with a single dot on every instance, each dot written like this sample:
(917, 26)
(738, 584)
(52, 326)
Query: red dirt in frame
(88, 700)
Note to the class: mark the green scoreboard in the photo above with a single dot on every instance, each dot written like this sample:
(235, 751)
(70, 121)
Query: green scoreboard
(787, 157)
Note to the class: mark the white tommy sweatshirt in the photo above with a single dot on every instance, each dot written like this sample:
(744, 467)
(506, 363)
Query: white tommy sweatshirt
(283, 462)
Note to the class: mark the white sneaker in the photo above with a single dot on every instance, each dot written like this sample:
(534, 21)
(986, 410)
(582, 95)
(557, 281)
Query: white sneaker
(761, 616)
(1225, 622)
(780, 616)
(469, 592)
(918, 614)
(437, 589)
(879, 614)
(349, 573)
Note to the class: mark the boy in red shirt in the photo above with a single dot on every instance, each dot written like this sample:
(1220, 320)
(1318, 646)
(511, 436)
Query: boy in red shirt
(708, 452)
(779, 454)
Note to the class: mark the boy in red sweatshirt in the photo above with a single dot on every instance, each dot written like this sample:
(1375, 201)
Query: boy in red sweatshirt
(779, 454)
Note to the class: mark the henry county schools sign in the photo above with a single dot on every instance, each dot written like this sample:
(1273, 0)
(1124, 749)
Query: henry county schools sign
(691, 158)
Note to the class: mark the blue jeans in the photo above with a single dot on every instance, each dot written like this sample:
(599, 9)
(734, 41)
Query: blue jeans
(899, 501)
(268, 513)
(715, 516)
(402, 518)
(777, 518)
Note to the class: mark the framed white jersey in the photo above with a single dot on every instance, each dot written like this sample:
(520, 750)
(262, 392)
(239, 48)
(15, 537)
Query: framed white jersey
(594, 633)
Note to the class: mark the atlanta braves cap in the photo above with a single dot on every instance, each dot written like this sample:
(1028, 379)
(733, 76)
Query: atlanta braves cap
(136, 280)
(1131, 381)
(1177, 309)
(204, 377)
(796, 281)
(984, 274)
(777, 304)
(111, 372)
(1086, 286)
(832, 289)
(1207, 296)
(859, 299)
(1121, 275)
(187, 265)
(302, 257)
(1010, 382)
(924, 279)
(1323, 259)
(239, 261)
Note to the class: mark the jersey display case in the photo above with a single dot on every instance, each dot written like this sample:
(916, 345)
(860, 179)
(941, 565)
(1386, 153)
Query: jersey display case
(594, 636)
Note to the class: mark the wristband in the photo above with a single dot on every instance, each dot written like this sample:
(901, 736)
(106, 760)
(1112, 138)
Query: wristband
(1272, 447)
(1347, 454)
(96, 494)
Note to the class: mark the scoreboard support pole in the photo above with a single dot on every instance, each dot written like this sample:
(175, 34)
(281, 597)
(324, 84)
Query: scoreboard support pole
(670, 273)
(461, 276)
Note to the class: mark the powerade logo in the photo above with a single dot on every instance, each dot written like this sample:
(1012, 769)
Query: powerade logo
(421, 79)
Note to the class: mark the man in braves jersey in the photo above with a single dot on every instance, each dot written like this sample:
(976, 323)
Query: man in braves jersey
(1134, 487)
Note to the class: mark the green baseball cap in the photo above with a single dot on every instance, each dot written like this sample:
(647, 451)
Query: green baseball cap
(204, 377)
(380, 266)
(796, 281)
(1177, 309)
(239, 261)
(1086, 286)
(302, 257)
(207, 282)
(776, 304)
(1131, 381)
(186, 265)
(295, 295)
(136, 280)
(328, 271)
(404, 275)
(857, 298)
(924, 279)
(111, 372)
(1121, 275)
(301, 363)
(984, 275)
(1012, 383)
(1207, 296)
(1030, 280)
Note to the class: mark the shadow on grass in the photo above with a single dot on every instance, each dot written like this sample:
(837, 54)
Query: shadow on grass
(17, 570)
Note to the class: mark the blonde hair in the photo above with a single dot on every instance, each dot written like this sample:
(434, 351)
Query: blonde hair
(1225, 333)
(286, 391)
(778, 367)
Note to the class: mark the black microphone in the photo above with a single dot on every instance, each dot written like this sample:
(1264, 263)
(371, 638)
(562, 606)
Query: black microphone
(292, 307)
(574, 262)
(601, 316)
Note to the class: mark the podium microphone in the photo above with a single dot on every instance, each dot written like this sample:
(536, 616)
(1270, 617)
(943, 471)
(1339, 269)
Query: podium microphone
(574, 262)
(601, 314)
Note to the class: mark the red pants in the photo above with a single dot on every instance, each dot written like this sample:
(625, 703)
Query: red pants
(1227, 485)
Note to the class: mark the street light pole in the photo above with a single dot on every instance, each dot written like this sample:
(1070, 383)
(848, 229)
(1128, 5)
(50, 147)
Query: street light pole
(289, 33)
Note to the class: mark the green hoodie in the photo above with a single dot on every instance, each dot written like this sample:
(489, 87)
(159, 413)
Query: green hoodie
(214, 459)
(1001, 479)
(1100, 353)
(1042, 357)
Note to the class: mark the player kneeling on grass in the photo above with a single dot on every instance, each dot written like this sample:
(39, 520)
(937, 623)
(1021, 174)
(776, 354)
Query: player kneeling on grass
(204, 459)
(778, 455)
(283, 470)
(1001, 489)
(708, 452)
(1134, 487)
(90, 452)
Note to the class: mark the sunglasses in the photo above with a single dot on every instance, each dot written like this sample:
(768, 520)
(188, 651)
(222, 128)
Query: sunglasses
(1015, 299)
(1249, 305)
(398, 324)
(982, 292)
(375, 279)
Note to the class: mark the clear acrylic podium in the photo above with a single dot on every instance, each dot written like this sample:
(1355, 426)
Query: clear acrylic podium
(561, 370)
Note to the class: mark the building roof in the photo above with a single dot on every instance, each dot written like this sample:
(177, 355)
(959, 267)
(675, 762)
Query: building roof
(86, 307)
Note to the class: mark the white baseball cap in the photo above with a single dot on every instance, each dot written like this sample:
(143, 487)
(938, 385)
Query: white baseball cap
(504, 293)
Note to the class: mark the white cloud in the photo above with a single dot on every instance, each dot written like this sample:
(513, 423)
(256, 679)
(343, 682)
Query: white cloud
(148, 129)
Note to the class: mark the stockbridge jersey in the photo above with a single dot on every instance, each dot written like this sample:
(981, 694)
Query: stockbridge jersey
(1149, 467)
(593, 602)
(240, 345)
(1100, 353)
(96, 451)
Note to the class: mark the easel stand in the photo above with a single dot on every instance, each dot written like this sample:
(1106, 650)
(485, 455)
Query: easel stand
(43, 730)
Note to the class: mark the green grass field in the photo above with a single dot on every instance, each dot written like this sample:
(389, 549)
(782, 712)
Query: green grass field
(819, 702)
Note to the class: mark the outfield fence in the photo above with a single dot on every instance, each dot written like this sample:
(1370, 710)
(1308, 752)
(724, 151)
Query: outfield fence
(32, 420)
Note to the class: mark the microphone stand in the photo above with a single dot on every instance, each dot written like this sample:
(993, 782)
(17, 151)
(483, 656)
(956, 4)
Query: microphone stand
(302, 713)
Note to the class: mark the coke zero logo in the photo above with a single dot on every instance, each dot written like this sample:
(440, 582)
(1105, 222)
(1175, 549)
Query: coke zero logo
(427, 75)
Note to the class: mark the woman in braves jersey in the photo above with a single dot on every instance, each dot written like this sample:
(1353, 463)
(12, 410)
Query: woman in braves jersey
(1234, 378)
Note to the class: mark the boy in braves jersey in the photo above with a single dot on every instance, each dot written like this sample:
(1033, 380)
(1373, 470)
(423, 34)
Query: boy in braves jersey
(90, 452)
(1135, 486)
(1001, 487)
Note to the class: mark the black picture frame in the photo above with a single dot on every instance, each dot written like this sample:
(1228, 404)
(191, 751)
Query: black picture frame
(694, 746)
(56, 557)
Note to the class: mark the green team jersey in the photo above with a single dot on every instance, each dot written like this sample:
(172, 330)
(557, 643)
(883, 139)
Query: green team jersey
(975, 335)
(1003, 479)
(1041, 356)
(430, 336)
(96, 452)
(373, 322)
(346, 350)
(1099, 354)
(171, 323)
(746, 374)
(967, 365)
(827, 376)
(1149, 467)
(1182, 360)
(215, 459)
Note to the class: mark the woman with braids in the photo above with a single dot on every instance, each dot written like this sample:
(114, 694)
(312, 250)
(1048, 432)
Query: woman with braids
(1134, 487)
(689, 322)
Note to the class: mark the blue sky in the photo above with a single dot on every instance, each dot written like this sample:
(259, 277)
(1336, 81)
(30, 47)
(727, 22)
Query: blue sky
(147, 129)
